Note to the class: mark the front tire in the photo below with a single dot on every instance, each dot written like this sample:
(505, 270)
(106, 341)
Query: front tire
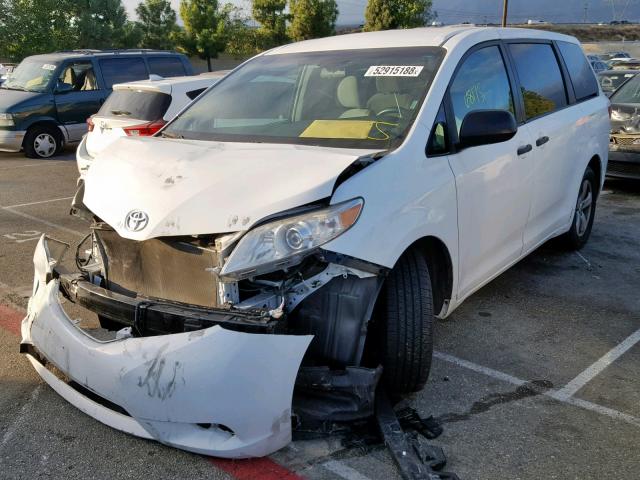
(584, 213)
(43, 141)
(406, 330)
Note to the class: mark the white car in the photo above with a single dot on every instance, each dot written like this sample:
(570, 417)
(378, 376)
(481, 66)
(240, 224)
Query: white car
(307, 218)
(139, 108)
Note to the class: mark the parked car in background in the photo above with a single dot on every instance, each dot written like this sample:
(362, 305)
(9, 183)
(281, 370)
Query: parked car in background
(624, 145)
(613, 55)
(48, 98)
(319, 206)
(598, 66)
(5, 71)
(139, 109)
(611, 80)
(630, 64)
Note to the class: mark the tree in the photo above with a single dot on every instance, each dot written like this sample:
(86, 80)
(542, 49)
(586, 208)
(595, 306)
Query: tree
(99, 22)
(158, 24)
(312, 19)
(390, 14)
(273, 21)
(204, 25)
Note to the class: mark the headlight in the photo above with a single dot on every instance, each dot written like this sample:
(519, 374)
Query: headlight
(6, 120)
(278, 244)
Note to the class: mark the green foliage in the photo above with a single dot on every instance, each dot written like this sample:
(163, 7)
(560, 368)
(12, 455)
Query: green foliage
(390, 14)
(312, 19)
(273, 22)
(99, 22)
(204, 27)
(158, 24)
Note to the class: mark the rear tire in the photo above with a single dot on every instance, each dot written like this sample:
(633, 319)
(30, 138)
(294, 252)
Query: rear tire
(584, 213)
(406, 324)
(43, 141)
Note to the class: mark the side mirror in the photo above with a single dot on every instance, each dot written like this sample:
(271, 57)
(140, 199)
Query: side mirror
(62, 87)
(484, 127)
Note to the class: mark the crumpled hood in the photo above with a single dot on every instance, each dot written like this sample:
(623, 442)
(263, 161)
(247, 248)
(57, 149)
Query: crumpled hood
(625, 118)
(188, 187)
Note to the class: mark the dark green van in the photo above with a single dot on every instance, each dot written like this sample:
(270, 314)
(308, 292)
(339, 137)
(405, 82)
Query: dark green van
(47, 99)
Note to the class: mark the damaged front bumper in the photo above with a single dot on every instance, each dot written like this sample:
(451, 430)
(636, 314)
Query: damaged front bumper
(212, 391)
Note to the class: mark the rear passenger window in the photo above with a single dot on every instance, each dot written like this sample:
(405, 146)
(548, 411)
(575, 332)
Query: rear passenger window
(540, 78)
(122, 70)
(166, 66)
(481, 83)
(584, 81)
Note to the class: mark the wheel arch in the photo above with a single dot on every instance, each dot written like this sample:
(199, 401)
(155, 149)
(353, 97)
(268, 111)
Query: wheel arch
(440, 269)
(49, 122)
(596, 165)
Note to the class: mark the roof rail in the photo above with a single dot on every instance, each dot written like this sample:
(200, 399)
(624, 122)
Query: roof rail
(116, 51)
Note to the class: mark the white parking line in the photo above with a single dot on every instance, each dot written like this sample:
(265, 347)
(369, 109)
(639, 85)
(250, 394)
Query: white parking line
(41, 220)
(594, 407)
(41, 164)
(607, 359)
(37, 203)
(19, 418)
(343, 470)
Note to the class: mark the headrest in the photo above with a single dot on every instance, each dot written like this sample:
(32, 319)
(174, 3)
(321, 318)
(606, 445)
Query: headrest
(347, 92)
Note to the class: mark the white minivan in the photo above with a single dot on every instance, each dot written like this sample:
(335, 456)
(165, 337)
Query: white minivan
(309, 216)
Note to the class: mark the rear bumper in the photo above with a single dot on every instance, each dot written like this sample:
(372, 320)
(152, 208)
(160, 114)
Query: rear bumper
(624, 164)
(213, 391)
(11, 140)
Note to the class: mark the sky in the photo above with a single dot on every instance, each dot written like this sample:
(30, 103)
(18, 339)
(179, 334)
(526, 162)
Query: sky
(488, 11)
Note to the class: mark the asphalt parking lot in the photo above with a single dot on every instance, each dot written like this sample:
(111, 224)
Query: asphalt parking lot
(535, 376)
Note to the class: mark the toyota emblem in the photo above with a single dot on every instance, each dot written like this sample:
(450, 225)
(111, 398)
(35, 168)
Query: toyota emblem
(136, 220)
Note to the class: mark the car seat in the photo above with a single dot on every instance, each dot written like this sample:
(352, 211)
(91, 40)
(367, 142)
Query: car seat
(388, 96)
(349, 97)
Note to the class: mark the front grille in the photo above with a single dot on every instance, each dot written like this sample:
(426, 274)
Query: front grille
(626, 141)
(626, 169)
(166, 269)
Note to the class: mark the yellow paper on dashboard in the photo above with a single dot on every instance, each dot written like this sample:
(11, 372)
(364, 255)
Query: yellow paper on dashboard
(350, 129)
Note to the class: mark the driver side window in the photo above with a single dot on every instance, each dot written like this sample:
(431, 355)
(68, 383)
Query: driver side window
(78, 76)
(481, 83)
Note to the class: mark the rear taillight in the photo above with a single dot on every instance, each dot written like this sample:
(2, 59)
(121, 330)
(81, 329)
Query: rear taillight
(90, 124)
(144, 129)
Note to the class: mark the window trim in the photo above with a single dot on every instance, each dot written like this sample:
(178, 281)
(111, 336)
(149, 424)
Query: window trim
(523, 120)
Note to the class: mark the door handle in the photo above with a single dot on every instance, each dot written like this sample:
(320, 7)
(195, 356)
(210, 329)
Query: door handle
(541, 141)
(525, 149)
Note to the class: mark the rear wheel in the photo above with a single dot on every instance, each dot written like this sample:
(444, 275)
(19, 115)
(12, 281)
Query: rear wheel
(584, 213)
(43, 141)
(405, 324)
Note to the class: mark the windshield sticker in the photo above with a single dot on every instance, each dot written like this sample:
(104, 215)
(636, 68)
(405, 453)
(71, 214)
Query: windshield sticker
(393, 71)
(48, 66)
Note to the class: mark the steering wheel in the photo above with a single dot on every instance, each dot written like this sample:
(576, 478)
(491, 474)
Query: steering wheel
(395, 113)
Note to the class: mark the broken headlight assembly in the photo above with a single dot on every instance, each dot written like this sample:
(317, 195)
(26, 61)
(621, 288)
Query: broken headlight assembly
(281, 243)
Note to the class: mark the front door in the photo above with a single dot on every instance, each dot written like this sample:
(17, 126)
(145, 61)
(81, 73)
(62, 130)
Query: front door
(77, 97)
(494, 182)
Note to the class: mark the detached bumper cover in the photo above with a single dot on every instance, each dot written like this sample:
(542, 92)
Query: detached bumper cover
(237, 385)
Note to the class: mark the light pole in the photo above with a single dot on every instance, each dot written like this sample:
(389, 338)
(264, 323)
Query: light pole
(505, 7)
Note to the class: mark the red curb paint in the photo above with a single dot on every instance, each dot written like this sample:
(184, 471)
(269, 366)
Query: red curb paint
(255, 469)
(10, 319)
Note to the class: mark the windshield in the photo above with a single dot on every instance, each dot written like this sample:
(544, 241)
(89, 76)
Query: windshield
(629, 92)
(31, 76)
(351, 98)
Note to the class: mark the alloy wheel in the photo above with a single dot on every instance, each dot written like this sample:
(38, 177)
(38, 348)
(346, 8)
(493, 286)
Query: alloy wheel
(45, 145)
(583, 207)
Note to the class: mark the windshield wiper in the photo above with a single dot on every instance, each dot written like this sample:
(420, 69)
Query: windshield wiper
(120, 113)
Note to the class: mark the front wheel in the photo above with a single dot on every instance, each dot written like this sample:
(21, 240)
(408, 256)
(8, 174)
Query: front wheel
(43, 141)
(405, 330)
(584, 213)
